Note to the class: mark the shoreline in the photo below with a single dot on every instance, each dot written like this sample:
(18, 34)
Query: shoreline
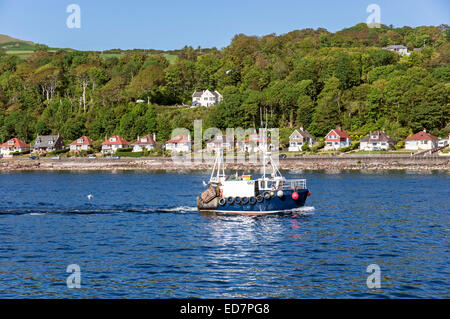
(303, 163)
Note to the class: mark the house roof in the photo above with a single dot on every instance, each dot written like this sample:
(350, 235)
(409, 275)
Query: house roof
(339, 132)
(17, 143)
(200, 93)
(43, 140)
(85, 141)
(303, 133)
(119, 141)
(422, 136)
(180, 138)
(381, 137)
(255, 138)
(221, 139)
(149, 140)
(395, 46)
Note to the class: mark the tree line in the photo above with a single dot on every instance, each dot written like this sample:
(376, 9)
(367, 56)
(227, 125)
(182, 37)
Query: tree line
(307, 77)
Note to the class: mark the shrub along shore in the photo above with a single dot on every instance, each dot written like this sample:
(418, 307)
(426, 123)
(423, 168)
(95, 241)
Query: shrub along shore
(166, 164)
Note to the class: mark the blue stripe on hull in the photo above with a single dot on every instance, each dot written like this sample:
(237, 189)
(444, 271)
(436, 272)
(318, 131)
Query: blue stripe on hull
(275, 204)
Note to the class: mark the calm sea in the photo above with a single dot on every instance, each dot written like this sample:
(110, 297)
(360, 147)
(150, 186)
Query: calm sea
(138, 235)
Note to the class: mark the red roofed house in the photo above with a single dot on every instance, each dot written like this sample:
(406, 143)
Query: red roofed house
(112, 144)
(146, 142)
(12, 146)
(421, 141)
(252, 143)
(179, 143)
(336, 139)
(81, 144)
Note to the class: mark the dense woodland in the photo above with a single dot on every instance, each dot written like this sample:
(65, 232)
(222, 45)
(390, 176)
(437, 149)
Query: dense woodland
(306, 77)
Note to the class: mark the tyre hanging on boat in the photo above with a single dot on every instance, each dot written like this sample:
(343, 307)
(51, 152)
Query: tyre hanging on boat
(252, 200)
(237, 200)
(222, 201)
(244, 200)
(267, 195)
(230, 200)
(259, 198)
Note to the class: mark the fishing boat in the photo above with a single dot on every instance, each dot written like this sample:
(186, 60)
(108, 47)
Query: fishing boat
(240, 194)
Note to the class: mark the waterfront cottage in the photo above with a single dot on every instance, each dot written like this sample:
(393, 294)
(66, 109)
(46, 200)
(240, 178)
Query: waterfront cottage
(376, 141)
(146, 142)
(12, 146)
(47, 143)
(83, 143)
(336, 139)
(114, 143)
(421, 141)
(179, 144)
(206, 98)
(299, 138)
(251, 143)
(223, 142)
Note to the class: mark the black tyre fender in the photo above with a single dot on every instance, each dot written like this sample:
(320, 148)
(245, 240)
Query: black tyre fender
(230, 200)
(244, 200)
(259, 199)
(237, 200)
(252, 200)
(267, 195)
(222, 201)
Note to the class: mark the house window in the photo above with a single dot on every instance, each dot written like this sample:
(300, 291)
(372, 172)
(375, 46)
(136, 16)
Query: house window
(50, 142)
(383, 143)
(80, 141)
(112, 139)
(11, 142)
(374, 137)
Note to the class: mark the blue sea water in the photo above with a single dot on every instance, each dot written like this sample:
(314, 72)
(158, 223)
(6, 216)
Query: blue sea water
(139, 236)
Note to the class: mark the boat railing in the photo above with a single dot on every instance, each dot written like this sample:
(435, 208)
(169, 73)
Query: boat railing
(295, 184)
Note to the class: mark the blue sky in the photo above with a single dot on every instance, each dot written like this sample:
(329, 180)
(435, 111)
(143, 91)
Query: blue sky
(172, 24)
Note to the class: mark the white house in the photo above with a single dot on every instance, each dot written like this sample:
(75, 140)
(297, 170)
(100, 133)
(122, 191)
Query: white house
(252, 144)
(376, 141)
(421, 141)
(113, 144)
(298, 138)
(146, 142)
(444, 141)
(336, 139)
(400, 49)
(206, 98)
(81, 144)
(179, 144)
(12, 146)
(223, 142)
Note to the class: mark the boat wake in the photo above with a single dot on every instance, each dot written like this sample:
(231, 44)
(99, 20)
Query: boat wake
(178, 209)
(88, 211)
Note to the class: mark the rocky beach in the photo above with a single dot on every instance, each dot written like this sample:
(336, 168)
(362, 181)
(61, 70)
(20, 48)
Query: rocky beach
(330, 163)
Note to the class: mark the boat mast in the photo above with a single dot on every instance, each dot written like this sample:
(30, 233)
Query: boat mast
(218, 171)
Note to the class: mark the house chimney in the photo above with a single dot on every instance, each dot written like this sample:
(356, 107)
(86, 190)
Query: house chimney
(425, 130)
(301, 128)
(338, 127)
(154, 137)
